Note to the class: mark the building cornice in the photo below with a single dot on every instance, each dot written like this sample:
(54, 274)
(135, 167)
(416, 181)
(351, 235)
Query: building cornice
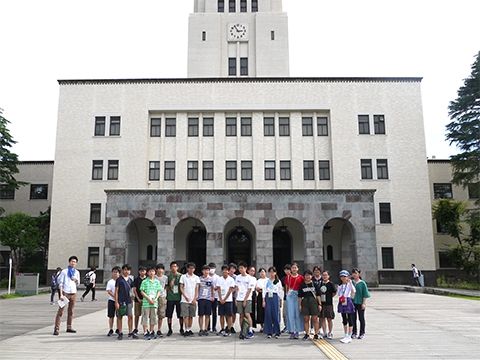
(439, 161)
(240, 192)
(242, 80)
(36, 162)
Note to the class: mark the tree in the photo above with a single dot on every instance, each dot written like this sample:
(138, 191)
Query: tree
(21, 233)
(464, 226)
(464, 131)
(8, 160)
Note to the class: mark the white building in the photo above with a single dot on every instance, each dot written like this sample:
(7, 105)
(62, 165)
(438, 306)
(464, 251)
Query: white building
(241, 162)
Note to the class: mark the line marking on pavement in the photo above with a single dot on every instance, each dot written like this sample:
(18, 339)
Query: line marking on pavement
(328, 349)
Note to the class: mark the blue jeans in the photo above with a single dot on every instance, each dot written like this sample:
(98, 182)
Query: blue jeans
(272, 324)
(294, 318)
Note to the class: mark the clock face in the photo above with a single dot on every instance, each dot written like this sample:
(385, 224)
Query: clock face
(237, 32)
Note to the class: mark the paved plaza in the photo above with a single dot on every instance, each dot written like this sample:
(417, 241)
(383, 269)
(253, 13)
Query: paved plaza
(400, 325)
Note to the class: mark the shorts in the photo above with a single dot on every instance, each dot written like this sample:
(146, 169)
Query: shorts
(225, 309)
(162, 307)
(188, 310)
(234, 307)
(244, 310)
(138, 309)
(149, 313)
(327, 312)
(129, 310)
(173, 304)
(111, 309)
(204, 307)
(309, 306)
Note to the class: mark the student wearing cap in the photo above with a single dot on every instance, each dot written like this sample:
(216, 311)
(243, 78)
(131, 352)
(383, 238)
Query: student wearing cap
(345, 292)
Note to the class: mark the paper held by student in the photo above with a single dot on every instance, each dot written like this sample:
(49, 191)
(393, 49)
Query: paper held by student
(64, 302)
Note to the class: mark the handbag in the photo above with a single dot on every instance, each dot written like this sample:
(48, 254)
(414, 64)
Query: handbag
(123, 310)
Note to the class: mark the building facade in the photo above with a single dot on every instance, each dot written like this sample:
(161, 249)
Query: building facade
(241, 162)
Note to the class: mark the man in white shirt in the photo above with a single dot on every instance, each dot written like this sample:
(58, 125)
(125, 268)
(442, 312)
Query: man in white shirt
(68, 281)
(245, 286)
(189, 284)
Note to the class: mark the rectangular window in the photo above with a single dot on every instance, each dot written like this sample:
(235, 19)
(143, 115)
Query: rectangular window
(308, 170)
(95, 213)
(272, 35)
(324, 170)
(208, 170)
(99, 125)
(221, 6)
(444, 260)
(441, 228)
(387, 257)
(363, 124)
(6, 192)
(269, 126)
(379, 124)
(285, 172)
(192, 172)
(93, 257)
(254, 5)
(231, 126)
(154, 171)
(243, 66)
(284, 126)
(307, 126)
(207, 126)
(385, 213)
(382, 169)
(232, 6)
(38, 192)
(232, 66)
(269, 170)
(231, 170)
(474, 190)
(170, 127)
(366, 165)
(169, 170)
(97, 170)
(247, 170)
(246, 126)
(243, 5)
(155, 127)
(322, 126)
(442, 191)
(204, 35)
(114, 125)
(112, 170)
(193, 127)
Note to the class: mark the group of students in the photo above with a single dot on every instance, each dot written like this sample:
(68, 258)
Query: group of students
(304, 298)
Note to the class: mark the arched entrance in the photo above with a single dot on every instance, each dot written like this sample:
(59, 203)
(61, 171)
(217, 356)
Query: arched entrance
(339, 242)
(190, 239)
(141, 244)
(197, 249)
(288, 244)
(282, 249)
(240, 241)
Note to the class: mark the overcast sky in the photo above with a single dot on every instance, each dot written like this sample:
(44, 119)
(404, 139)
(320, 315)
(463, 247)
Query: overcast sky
(42, 41)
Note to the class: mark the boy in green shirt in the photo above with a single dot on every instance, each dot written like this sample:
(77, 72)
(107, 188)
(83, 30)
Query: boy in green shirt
(150, 290)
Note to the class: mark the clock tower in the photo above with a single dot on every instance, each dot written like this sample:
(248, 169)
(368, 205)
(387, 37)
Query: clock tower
(238, 38)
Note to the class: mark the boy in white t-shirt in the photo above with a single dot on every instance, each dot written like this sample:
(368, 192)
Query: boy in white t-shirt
(189, 284)
(245, 286)
(224, 288)
(111, 298)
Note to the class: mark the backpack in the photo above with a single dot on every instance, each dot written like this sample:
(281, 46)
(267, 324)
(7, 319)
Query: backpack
(86, 279)
(54, 281)
(245, 328)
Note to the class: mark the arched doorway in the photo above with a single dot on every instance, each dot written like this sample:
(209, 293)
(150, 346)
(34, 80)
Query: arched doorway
(288, 244)
(282, 249)
(141, 244)
(240, 241)
(339, 241)
(197, 248)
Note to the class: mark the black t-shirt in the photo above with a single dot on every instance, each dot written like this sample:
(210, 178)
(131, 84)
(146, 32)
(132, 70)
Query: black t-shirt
(308, 290)
(328, 289)
(124, 287)
(136, 284)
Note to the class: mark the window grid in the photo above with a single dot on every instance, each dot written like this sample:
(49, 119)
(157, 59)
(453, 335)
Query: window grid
(221, 6)
(269, 126)
(322, 126)
(285, 170)
(284, 126)
(269, 170)
(231, 6)
(231, 170)
(155, 127)
(93, 257)
(99, 125)
(385, 213)
(6, 192)
(170, 127)
(95, 213)
(208, 126)
(387, 258)
(232, 66)
(192, 172)
(243, 5)
(193, 127)
(154, 171)
(114, 125)
(307, 126)
(243, 66)
(254, 5)
(97, 170)
(272, 35)
(246, 126)
(308, 170)
(442, 191)
(204, 35)
(208, 170)
(363, 124)
(382, 169)
(379, 124)
(324, 170)
(169, 170)
(38, 192)
(247, 170)
(231, 126)
(112, 170)
(366, 165)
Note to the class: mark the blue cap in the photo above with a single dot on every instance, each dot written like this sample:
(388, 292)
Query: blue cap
(344, 273)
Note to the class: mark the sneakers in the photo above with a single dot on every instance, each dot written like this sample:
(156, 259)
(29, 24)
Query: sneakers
(295, 336)
(55, 332)
(81, 299)
(347, 339)
(330, 336)
(284, 330)
(182, 332)
(117, 332)
(214, 330)
(205, 332)
(71, 331)
(170, 332)
(250, 335)
(188, 333)
(315, 337)
(312, 331)
(354, 336)
(200, 333)
(51, 302)
(269, 336)
(135, 331)
(110, 333)
(159, 334)
(232, 330)
(227, 333)
(292, 336)
(146, 335)
(277, 336)
(361, 336)
(221, 332)
(120, 336)
(306, 337)
(152, 335)
(132, 336)
(94, 299)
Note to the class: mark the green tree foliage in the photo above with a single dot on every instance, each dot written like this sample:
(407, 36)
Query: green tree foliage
(21, 233)
(464, 131)
(464, 226)
(8, 160)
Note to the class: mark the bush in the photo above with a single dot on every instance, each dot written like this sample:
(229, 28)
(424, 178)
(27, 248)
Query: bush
(4, 283)
(456, 284)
